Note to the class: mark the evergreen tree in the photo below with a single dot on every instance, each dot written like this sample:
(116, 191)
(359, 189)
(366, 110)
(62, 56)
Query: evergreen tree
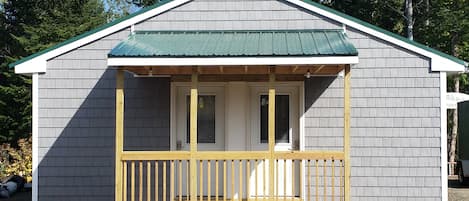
(29, 26)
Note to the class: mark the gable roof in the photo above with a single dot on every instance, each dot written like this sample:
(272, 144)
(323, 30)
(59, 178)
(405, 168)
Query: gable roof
(37, 62)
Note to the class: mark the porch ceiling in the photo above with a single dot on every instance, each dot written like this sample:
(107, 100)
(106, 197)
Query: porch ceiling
(233, 73)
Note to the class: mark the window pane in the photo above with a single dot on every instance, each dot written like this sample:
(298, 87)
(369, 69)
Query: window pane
(282, 118)
(205, 119)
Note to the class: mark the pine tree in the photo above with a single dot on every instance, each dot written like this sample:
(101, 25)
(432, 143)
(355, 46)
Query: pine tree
(29, 26)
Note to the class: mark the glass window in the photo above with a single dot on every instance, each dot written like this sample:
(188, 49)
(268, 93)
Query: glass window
(282, 118)
(205, 119)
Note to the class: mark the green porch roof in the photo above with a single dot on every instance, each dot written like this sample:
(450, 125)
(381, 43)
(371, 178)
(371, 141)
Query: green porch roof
(235, 44)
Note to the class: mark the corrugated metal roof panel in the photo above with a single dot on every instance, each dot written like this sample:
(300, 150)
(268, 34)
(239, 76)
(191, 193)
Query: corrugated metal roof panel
(235, 43)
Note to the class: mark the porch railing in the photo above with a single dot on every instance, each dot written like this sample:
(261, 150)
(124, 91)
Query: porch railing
(233, 175)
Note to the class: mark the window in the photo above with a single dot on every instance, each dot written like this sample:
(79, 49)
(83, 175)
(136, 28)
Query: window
(282, 118)
(205, 119)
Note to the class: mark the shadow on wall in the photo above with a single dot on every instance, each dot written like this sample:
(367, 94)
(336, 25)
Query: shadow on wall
(78, 160)
(314, 88)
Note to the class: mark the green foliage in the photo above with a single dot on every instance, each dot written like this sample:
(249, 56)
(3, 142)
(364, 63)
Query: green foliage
(16, 161)
(28, 26)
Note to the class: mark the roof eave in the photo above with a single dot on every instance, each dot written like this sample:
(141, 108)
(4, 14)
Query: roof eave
(439, 60)
(36, 63)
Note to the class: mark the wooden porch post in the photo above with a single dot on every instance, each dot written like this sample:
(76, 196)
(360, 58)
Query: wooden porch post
(271, 132)
(347, 132)
(193, 136)
(119, 133)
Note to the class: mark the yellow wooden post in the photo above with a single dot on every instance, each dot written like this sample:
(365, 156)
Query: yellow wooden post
(271, 132)
(347, 133)
(119, 133)
(193, 136)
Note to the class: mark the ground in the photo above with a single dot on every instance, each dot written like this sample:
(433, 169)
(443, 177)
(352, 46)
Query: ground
(456, 192)
(20, 196)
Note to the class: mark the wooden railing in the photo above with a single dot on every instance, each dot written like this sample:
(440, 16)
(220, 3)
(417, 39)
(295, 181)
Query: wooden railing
(221, 176)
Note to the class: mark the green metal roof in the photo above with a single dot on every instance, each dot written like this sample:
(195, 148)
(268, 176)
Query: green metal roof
(235, 44)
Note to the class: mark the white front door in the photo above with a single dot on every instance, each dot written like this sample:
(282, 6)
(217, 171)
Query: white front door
(210, 127)
(286, 135)
(232, 117)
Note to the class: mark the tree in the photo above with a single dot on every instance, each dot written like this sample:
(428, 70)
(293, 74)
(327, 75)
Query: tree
(28, 26)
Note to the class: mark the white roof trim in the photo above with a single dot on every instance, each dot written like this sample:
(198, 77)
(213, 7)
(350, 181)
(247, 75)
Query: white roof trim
(39, 63)
(438, 63)
(227, 61)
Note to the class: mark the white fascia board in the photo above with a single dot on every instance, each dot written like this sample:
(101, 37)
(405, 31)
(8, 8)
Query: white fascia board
(438, 63)
(31, 66)
(230, 61)
(39, 63)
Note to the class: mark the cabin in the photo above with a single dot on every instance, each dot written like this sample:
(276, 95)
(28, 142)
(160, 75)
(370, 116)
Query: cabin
(239, 100)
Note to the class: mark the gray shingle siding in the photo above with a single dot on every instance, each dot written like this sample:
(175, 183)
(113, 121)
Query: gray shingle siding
(395, 135)
(236, 15)
(395, 108)
(77, 122)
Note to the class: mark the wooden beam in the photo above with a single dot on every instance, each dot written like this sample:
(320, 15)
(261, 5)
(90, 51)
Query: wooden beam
(347, 132)
(193, 134)
(119, 133)
(271, 131)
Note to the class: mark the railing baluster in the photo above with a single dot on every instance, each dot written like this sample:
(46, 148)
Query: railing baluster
(276, 167)
(156, 181)
(317, 179)
(264, 178)
(209, 181)
(232, 179)
(325, 178)
(256, 173)
(301, 179)
(248, 179)
(172, 183)
(284, 180)
(240, 195)
(140, 181)
(333, 180)
(164, 181)
(342, 186)
(180, 180)
(216, 180)
(148, 181)
(224, 180)
(187, 180)
(124, 182)
(132, 181)
(201, 180)
(293, 179)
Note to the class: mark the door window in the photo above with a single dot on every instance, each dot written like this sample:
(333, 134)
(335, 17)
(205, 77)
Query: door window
(282, 118)
(205, 119)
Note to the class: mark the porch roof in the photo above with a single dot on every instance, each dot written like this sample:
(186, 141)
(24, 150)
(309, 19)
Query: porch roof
(244, 43)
